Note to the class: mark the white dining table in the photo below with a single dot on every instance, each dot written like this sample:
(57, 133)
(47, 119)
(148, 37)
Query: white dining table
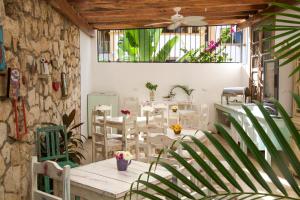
(102, 181)
(184, 132)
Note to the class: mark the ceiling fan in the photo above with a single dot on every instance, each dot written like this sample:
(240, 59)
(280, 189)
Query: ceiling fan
(178, 20)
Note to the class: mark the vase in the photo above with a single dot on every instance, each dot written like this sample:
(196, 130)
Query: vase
(123, 164)
(151, 95)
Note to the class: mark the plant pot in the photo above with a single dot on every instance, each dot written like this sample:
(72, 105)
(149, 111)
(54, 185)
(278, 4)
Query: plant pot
(174, 110)
(177, 132)
(123, 164)
(151, 95)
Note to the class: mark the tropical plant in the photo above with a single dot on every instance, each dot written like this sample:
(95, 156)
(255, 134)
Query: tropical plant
(74, 138)
(185, 88)
(288, 26)
(150, 86)
(142, 45)
(215, 52)
(209, 178)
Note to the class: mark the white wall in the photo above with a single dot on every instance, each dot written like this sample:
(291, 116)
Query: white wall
(128, 79)
(86, 63)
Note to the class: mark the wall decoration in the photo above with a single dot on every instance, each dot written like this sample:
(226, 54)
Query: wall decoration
(2, 52)
(44, 68)
(14, 83)
(20, 118)
(55, 85)
(64, 84)
(4, 84)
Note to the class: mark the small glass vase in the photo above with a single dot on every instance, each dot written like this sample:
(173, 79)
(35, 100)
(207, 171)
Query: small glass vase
(151, 95)
(122, 164)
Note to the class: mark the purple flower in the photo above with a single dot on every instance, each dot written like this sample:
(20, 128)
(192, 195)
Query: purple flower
(232, 29)
(212, 46)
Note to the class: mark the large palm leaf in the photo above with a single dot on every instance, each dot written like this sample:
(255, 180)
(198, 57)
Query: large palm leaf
(287, 25)
(236, 177)
(143, 45)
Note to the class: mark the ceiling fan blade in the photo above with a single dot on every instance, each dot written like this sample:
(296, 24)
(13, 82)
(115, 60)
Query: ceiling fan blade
(174, 25)
(194, 21)
(158, 23)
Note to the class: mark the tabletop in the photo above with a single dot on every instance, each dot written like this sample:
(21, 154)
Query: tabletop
(104, 179)
(184, 132)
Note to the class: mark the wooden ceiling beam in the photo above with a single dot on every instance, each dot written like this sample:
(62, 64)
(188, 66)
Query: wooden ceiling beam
(63, 7)
(184, 10)
(136, 18)
(117, 26)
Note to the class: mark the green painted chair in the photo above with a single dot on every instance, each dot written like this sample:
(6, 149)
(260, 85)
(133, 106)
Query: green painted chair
(51, 144)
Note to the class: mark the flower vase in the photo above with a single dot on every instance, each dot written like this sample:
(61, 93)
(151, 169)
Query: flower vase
(123, 164)
(152, 95)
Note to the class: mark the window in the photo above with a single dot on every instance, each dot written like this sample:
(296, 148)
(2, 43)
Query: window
(206, 44)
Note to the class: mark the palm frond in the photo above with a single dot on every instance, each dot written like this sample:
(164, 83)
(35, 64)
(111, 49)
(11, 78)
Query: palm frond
(288, 26)
(206, 176)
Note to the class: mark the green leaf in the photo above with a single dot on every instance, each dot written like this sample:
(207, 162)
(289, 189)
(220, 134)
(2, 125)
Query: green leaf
(286, 6)
(182, 177)
(273, 151)
(145, 47)
(171, 185)
(295, 70)
(193, 171)
(293, 58)
(281, 139)
(257, 155)
(215, 161)
(230, 160)
(158, 189)
(288, 122)
(205, 166)
(145, 194)
(244, 158)
(165, 51)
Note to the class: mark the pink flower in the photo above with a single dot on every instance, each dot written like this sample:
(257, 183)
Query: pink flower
(212, 46)
(232, 29)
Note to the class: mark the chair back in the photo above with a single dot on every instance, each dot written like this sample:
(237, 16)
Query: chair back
(51, 143)
(190, 120)
(99, 129)
(54, 171)
(132, 104)
(204, 116)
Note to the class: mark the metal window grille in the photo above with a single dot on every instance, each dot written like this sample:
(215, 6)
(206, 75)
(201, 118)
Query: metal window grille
(206, 44)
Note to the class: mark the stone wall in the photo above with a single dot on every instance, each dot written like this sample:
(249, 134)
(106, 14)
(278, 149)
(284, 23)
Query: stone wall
(33, 29)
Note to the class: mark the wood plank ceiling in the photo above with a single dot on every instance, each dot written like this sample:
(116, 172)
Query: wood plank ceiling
(120, 14)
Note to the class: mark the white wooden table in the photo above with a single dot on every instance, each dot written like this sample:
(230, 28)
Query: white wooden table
(117, 122)
(102, 181)
(184, 132)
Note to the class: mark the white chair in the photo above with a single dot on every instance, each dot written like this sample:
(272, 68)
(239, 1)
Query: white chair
(130, 134)
(204, 116)
(108, 111)
(55, 172)
(189, 120)
(101, 143)
(132, 104)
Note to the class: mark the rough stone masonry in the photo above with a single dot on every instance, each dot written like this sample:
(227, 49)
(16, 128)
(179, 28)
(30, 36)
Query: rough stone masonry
(33, 29)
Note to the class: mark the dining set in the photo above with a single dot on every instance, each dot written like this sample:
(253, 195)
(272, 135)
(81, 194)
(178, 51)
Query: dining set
(143, 132)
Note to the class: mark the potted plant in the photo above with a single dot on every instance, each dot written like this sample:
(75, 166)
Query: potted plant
(123, 160)
(151, 87)
(176, 128)
(186, 89)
